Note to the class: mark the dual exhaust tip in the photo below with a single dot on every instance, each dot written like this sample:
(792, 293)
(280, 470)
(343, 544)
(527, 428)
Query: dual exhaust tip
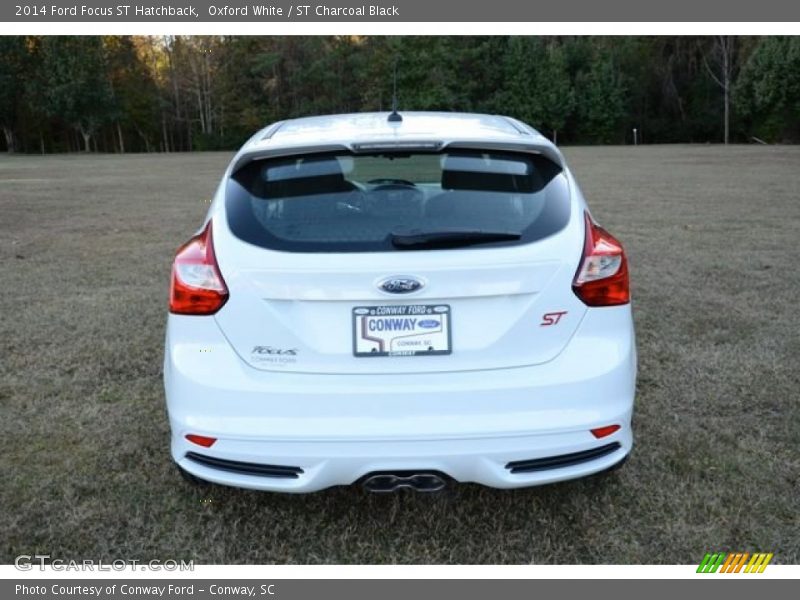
(383, 483)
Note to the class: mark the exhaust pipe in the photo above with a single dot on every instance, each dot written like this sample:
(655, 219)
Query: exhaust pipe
(381, 483)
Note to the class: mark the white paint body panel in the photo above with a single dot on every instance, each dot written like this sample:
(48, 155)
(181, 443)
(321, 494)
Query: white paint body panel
(512, 389)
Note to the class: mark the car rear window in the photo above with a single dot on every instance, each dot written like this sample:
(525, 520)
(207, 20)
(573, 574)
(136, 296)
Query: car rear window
(342, 202)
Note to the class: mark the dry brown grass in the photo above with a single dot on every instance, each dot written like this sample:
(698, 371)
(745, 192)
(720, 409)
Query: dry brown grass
(712, 232)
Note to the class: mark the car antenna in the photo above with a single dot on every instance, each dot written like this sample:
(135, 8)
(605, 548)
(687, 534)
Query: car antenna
(394, 116)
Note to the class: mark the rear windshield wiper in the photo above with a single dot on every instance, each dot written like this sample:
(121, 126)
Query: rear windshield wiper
(452, 238)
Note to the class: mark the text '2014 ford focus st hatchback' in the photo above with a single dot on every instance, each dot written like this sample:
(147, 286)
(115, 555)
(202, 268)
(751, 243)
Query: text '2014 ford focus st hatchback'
(399, 301)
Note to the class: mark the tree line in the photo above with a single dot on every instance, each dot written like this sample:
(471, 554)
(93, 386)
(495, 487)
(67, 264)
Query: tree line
(180, 93)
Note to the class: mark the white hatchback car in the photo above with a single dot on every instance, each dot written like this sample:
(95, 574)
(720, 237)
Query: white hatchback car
(399, 301)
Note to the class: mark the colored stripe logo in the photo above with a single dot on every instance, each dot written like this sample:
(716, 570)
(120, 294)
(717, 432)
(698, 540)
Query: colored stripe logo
(735, 562)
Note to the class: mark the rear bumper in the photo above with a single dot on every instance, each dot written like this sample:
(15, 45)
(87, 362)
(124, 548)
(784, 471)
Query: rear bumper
(337, 428)
(326, 464)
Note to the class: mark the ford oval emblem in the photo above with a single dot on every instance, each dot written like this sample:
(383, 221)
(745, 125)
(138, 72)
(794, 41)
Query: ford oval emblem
(400, 285)
(428, 323)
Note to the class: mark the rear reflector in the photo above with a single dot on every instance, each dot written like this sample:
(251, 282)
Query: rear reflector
(602, 276)
(201, 440)
(606, 431)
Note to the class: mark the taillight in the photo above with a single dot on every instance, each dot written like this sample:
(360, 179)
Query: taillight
(602, 276)
(197, 287)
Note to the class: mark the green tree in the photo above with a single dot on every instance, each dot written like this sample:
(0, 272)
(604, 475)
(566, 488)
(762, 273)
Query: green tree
(433, 73)
(134, 106)
(767, 92)
(129, 93)
(537, 88)
(76, 89)
(600, 101)
(13, 59)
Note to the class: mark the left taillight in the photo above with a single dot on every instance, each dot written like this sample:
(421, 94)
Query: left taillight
(197, 287)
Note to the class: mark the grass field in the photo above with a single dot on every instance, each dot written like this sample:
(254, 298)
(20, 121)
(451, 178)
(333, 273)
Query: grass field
(85, 249)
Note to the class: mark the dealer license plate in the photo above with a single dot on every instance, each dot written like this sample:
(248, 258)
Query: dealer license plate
(401, 330)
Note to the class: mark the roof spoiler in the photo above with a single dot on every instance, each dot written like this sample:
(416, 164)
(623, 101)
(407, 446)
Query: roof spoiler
(543, 148)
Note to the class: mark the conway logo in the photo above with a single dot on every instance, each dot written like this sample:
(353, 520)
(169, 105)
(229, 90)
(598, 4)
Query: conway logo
(735, 562)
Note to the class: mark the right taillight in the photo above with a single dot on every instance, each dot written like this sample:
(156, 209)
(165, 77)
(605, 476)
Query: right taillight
(197, 287)
(602, 276)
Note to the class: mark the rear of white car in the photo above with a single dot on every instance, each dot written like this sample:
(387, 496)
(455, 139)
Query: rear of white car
(399, 303)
